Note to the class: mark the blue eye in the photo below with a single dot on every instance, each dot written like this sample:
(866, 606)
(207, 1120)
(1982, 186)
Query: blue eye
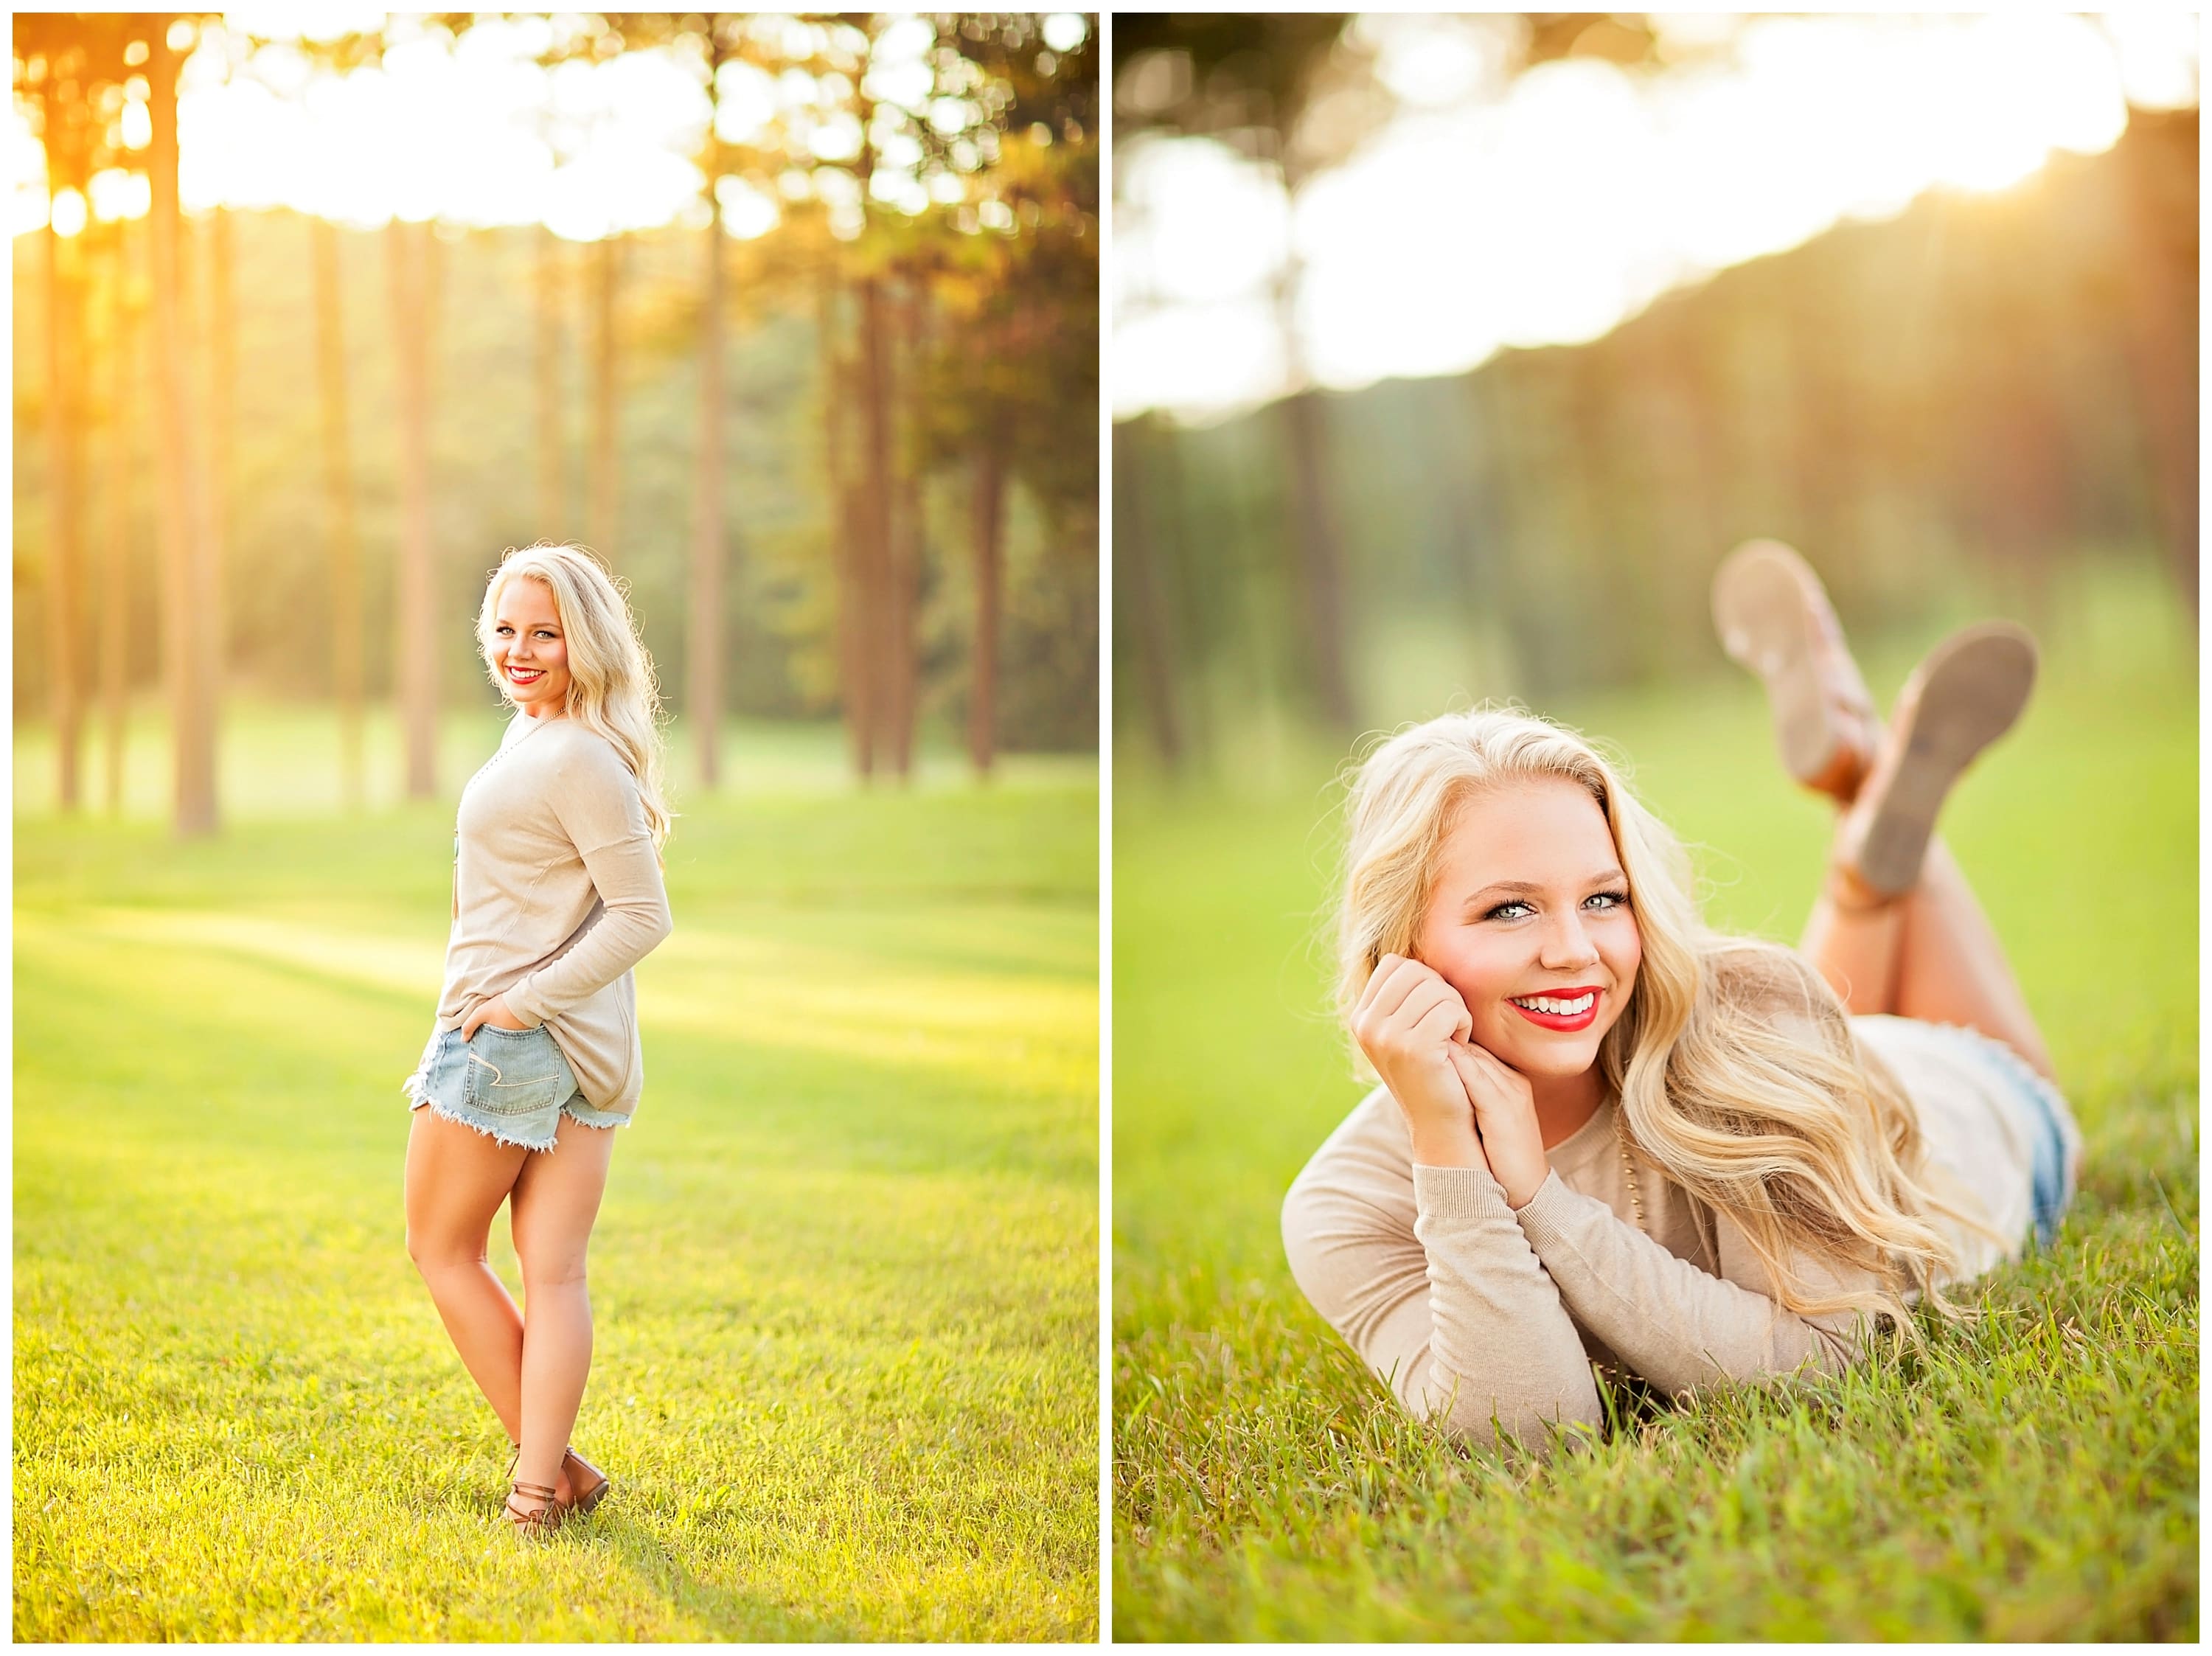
(1604, 902)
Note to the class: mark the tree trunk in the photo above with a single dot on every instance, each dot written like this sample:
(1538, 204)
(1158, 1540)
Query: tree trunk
(223, 381)
(1321, 557)
(702, 666)
(988, 518)
(125, 387)
(864, 687)
(415, 659)
(552, 489)
(907, 544)
(875, 483)
(65, 483)
(602, 514)
(188, 661)
(844, 531)
(1315, 529)
(344, 562)
(1144, 500)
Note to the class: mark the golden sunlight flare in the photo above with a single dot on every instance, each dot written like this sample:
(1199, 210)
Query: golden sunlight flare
(1547, 209)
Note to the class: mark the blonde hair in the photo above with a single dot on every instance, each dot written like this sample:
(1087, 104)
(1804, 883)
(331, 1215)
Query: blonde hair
(1812, 1149)
(611, 687)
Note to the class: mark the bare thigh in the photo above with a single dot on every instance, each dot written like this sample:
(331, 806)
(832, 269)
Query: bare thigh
(456, 1178)
(556, 1199)
(1952, 970)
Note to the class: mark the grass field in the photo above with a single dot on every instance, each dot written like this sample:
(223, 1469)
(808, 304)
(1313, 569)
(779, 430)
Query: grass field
(845, 1277)
(2034, 1477)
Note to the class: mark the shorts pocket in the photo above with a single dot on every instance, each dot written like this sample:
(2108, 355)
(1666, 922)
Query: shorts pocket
(515, 1071)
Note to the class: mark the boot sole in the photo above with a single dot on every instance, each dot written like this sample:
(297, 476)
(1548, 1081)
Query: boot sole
(1972, 688)
(1763, 599)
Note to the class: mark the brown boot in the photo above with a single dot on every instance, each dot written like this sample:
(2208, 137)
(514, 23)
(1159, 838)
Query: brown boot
(1773, 617)
(1965, 695)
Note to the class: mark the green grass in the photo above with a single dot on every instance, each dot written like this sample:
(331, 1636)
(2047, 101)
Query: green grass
(2033, 1477)
(845, 1276)
(283, 760)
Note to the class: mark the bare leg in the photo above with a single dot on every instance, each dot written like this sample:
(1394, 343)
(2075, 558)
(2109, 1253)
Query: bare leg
(1930, 954)
(457, 1177)
(556, 1199)
(1855, 940)
(1953, 970)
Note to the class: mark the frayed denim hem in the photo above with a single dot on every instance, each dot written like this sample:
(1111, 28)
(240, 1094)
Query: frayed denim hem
(489, 1126)
(447, 1077)
(419, 1093)
(585, 1116)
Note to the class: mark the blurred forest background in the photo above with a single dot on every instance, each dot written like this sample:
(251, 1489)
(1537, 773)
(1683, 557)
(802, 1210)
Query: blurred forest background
(833, 419)
(1964, 405)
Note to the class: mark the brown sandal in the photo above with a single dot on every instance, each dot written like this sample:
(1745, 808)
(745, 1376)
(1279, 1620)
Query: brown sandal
(587, 1496)
(1773, 617)
(1965, 695)
(542, 1520)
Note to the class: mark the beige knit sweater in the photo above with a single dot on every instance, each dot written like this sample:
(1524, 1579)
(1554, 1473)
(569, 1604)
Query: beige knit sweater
(1470, 1310)
(557, 893)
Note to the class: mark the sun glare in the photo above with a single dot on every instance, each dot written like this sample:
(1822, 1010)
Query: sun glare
(475, 132)
(1549, 208)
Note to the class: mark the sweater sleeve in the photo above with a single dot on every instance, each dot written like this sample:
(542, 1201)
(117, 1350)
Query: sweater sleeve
(1674, 1324)
(597, 802)
(1453, 1310)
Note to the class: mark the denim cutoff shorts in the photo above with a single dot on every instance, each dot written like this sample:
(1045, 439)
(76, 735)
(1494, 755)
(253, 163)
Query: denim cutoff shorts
(512, 1084)
(2054, 1139)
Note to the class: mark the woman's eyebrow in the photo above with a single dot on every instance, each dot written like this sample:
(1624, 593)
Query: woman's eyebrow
(1516, 886)
(1529, 888)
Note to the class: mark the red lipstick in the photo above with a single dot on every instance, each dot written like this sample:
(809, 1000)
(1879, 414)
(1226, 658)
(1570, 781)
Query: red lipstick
(1566, 1025)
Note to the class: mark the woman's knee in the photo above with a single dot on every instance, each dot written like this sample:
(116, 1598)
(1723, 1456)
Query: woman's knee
(432, 1251)
(561, 1271)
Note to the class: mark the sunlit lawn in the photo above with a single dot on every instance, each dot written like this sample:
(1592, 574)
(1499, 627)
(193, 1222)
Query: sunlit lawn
(2036, 1479)
(845, 1277)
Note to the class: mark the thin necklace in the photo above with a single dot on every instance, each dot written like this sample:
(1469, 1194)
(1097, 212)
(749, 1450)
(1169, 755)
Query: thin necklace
(498, 754)
(507, 747)
(535, 725)
(1628, 1164)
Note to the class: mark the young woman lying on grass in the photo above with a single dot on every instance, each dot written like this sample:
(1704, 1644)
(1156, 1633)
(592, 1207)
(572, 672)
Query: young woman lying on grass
(1608, 1136)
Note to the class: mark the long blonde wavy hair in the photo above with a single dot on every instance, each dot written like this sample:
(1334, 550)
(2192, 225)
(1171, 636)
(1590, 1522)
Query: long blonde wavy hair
(612, 688)
(1808, 1145)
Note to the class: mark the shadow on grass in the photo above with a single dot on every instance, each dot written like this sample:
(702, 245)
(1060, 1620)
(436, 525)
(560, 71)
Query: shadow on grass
(653, 1563)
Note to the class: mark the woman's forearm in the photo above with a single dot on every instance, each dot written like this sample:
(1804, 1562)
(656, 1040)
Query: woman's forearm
(634, 921)
(1676, 1325)
(1502, 1347)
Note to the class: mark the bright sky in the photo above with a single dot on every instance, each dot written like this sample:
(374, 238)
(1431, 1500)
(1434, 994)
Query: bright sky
(478, 134)
(1549, 210)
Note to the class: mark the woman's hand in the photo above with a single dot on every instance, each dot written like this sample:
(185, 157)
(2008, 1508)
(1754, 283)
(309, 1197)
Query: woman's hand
(493, 1012)
(1505, 1117)
(1408, 1022)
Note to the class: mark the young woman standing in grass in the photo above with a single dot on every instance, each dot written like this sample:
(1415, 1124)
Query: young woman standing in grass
(535, 1056)
(1608, 1136)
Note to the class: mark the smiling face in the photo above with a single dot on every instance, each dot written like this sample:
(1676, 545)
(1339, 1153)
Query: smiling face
(529, 650)
(1530, 921)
